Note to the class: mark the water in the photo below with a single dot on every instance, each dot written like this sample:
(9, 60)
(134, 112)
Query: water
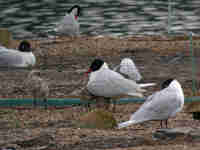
(116, 17)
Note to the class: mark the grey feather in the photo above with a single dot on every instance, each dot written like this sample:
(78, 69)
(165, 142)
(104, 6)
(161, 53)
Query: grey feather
(109, 83)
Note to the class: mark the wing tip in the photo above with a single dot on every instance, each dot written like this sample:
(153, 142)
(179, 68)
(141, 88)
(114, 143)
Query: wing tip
(125, 124)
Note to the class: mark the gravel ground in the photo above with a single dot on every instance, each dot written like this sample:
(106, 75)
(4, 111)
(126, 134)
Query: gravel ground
(63, 62)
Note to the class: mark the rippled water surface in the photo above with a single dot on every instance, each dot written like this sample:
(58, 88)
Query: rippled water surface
(117, 17)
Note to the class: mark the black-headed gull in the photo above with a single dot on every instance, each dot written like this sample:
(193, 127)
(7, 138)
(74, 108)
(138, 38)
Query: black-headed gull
(23, 57)
(128, 69)
(37, 86)
(69, 24)
(108, 83)
(159, 106)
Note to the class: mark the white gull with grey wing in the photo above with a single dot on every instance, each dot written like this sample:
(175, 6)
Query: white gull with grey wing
(108, 83)
(159, 106)
(69, 24)
(128, 68)
(23, 57)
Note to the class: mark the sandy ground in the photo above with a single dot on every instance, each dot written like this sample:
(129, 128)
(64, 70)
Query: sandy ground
(63, 63)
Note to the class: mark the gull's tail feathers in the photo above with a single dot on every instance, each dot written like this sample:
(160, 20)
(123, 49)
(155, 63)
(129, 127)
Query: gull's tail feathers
(125, 124)
(147, 84)
(136, 94)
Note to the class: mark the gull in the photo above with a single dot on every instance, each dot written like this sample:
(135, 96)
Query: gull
(37, 86)
(23, 57)
(128, 69)
(69, 24)
(161, 105)
(107, 83)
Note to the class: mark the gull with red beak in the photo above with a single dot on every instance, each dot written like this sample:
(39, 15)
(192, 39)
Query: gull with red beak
(108, 83)
(69, 24)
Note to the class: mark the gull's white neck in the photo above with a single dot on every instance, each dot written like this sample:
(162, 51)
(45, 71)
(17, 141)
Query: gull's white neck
(74, 12)
(93, 75)
(105, 66)
(175, 85)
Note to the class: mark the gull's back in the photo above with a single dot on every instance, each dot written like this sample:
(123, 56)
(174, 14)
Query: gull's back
(68, 26)
(108, 83)
(15, 58)
(128, 69)
(159, 106)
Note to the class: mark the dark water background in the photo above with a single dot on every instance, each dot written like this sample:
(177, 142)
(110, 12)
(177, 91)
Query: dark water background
(29, 18)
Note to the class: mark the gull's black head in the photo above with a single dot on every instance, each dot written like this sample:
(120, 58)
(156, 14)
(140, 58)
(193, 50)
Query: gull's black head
(166, 83)
(96, 65)
(76, 10)
(24, 46)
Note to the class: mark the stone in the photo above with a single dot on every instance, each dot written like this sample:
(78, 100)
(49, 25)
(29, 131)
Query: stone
(195, 134)
(196, 115)
(99, 119)
(192, 107)
(170, 134)
(5, 37)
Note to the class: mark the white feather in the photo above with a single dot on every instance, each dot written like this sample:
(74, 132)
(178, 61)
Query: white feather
(16, 58)
(128, 69)
(68, 26)
(159, 106)
(107, 83)
(147, 84)
(125, 124)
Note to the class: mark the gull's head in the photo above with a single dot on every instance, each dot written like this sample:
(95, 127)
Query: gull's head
(75, 11)
(24, 46)
(126, 61)
(96, 65)
(173, 83)
(166, 83)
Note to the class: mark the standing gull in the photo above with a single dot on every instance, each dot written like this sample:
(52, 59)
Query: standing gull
(23, 57)
(37, 86)
(69, 24)
(159, 106)
(108, 83)
(128, 69)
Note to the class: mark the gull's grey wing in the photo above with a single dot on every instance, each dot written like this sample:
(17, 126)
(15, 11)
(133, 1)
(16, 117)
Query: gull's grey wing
(128, 67)
(10, 58)
(160, 105)
(110, 83)
(117, 69)
(68, 26)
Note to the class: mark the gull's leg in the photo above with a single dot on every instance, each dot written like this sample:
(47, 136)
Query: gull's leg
(161, 124)
(45, 103)
(114, 106)
(87, 107)
(34, 102)
(166, 123)
(107, 103)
